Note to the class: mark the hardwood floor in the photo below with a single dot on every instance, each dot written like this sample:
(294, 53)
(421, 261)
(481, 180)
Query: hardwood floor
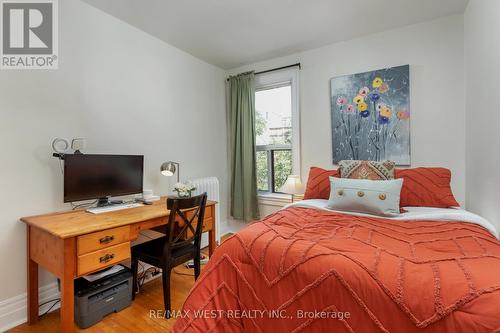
(135, 318)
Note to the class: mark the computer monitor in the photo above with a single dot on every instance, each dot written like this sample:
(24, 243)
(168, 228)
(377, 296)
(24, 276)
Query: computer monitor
(89, 177)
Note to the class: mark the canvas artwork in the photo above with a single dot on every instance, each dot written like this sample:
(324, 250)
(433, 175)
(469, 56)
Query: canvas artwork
(371, 116)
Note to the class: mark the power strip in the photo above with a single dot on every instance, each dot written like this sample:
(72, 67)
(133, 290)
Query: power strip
(152, 275)
(157, 272)
(190, 263)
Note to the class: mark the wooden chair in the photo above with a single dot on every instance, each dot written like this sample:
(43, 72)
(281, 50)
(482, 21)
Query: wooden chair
(180, 244)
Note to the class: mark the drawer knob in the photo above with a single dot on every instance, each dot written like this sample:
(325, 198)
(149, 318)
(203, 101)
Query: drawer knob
(106, 258)
(106, 239)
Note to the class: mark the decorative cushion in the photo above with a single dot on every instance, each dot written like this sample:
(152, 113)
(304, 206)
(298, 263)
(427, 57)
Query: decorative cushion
(376, 197)
(427, 187)
(373, 170)
(318, 183)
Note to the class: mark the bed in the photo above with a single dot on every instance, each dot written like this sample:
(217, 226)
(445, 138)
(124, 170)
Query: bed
(310, 269)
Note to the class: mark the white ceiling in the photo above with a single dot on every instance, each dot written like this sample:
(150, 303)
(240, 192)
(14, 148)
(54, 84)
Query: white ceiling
(230, 33)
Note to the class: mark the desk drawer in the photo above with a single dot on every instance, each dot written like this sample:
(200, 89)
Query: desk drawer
(209, 211)
(190, 213)
(207, 226)
(97, 260)
(102, 239)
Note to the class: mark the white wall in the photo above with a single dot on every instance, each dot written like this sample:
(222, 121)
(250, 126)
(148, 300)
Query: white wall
(434, 51)
(482, 64)
(123, 90)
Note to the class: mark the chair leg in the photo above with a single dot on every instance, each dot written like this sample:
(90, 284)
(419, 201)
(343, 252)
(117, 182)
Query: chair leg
(197, 266)
(166, 291)
(135, 268)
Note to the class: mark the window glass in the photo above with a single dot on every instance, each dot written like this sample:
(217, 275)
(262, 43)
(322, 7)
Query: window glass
(273, 127)
(262, 171)
(282, 167)
(273, 118)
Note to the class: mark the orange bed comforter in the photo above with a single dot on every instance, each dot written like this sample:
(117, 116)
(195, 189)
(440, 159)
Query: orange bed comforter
(308, 270)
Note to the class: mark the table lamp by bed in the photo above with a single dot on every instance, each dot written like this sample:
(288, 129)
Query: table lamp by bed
(169, 168)
(292, 186)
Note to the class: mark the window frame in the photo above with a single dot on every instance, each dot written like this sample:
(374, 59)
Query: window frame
(272, 80)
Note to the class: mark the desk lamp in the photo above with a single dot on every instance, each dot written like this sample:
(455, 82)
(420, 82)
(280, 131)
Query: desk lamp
(169, 168)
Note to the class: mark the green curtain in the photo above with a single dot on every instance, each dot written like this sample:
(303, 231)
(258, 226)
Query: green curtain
(241, 119)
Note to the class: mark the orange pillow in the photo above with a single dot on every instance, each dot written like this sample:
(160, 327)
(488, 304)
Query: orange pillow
(318, 183)
(427, 187)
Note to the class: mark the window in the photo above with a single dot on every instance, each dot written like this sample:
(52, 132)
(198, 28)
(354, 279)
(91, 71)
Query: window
(276, 127)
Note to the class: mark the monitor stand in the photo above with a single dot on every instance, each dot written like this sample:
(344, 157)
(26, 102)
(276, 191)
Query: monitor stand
(103, 202)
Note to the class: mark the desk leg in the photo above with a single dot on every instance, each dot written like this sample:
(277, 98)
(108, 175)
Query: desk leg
(67, 287)
(32, 288)
(212, 244)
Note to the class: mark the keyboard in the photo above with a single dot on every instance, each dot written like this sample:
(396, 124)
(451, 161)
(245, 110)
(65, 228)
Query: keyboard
(112, 208)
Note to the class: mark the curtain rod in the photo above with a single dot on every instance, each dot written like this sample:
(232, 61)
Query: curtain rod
(277, 69)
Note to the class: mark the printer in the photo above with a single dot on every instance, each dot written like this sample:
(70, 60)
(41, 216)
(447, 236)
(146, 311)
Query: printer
(102, 293)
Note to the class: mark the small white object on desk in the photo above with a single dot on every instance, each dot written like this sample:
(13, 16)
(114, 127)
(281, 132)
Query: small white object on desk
(148, 196)
(151, 198)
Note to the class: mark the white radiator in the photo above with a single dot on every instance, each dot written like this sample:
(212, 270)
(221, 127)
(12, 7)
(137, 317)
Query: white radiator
(211, 186)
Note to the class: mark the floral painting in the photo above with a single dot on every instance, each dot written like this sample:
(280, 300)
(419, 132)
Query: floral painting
(371, 116)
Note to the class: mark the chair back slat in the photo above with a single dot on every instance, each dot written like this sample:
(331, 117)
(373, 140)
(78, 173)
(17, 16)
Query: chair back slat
(178, 208)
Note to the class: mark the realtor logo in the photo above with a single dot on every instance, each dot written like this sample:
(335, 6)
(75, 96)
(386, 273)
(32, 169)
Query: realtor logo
(29, 34)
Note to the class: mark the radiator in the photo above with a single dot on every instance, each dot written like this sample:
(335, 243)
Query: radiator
(211, 186)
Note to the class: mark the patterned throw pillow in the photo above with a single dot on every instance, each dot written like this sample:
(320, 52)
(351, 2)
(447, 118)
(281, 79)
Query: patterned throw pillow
(372, 170)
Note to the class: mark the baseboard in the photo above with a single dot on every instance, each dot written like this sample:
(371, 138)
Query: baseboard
(13, 311)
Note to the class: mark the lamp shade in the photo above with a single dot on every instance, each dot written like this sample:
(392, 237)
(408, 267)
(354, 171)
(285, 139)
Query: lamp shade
(293, 185)
(168, 169)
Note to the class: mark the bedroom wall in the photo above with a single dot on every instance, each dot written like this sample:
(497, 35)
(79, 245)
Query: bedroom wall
(482, 54)
(434, 51)
(123, 90)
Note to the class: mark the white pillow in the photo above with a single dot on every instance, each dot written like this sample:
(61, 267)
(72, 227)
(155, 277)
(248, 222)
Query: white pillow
(376, 197)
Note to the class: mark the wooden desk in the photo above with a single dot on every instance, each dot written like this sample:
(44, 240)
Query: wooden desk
(75, 243)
